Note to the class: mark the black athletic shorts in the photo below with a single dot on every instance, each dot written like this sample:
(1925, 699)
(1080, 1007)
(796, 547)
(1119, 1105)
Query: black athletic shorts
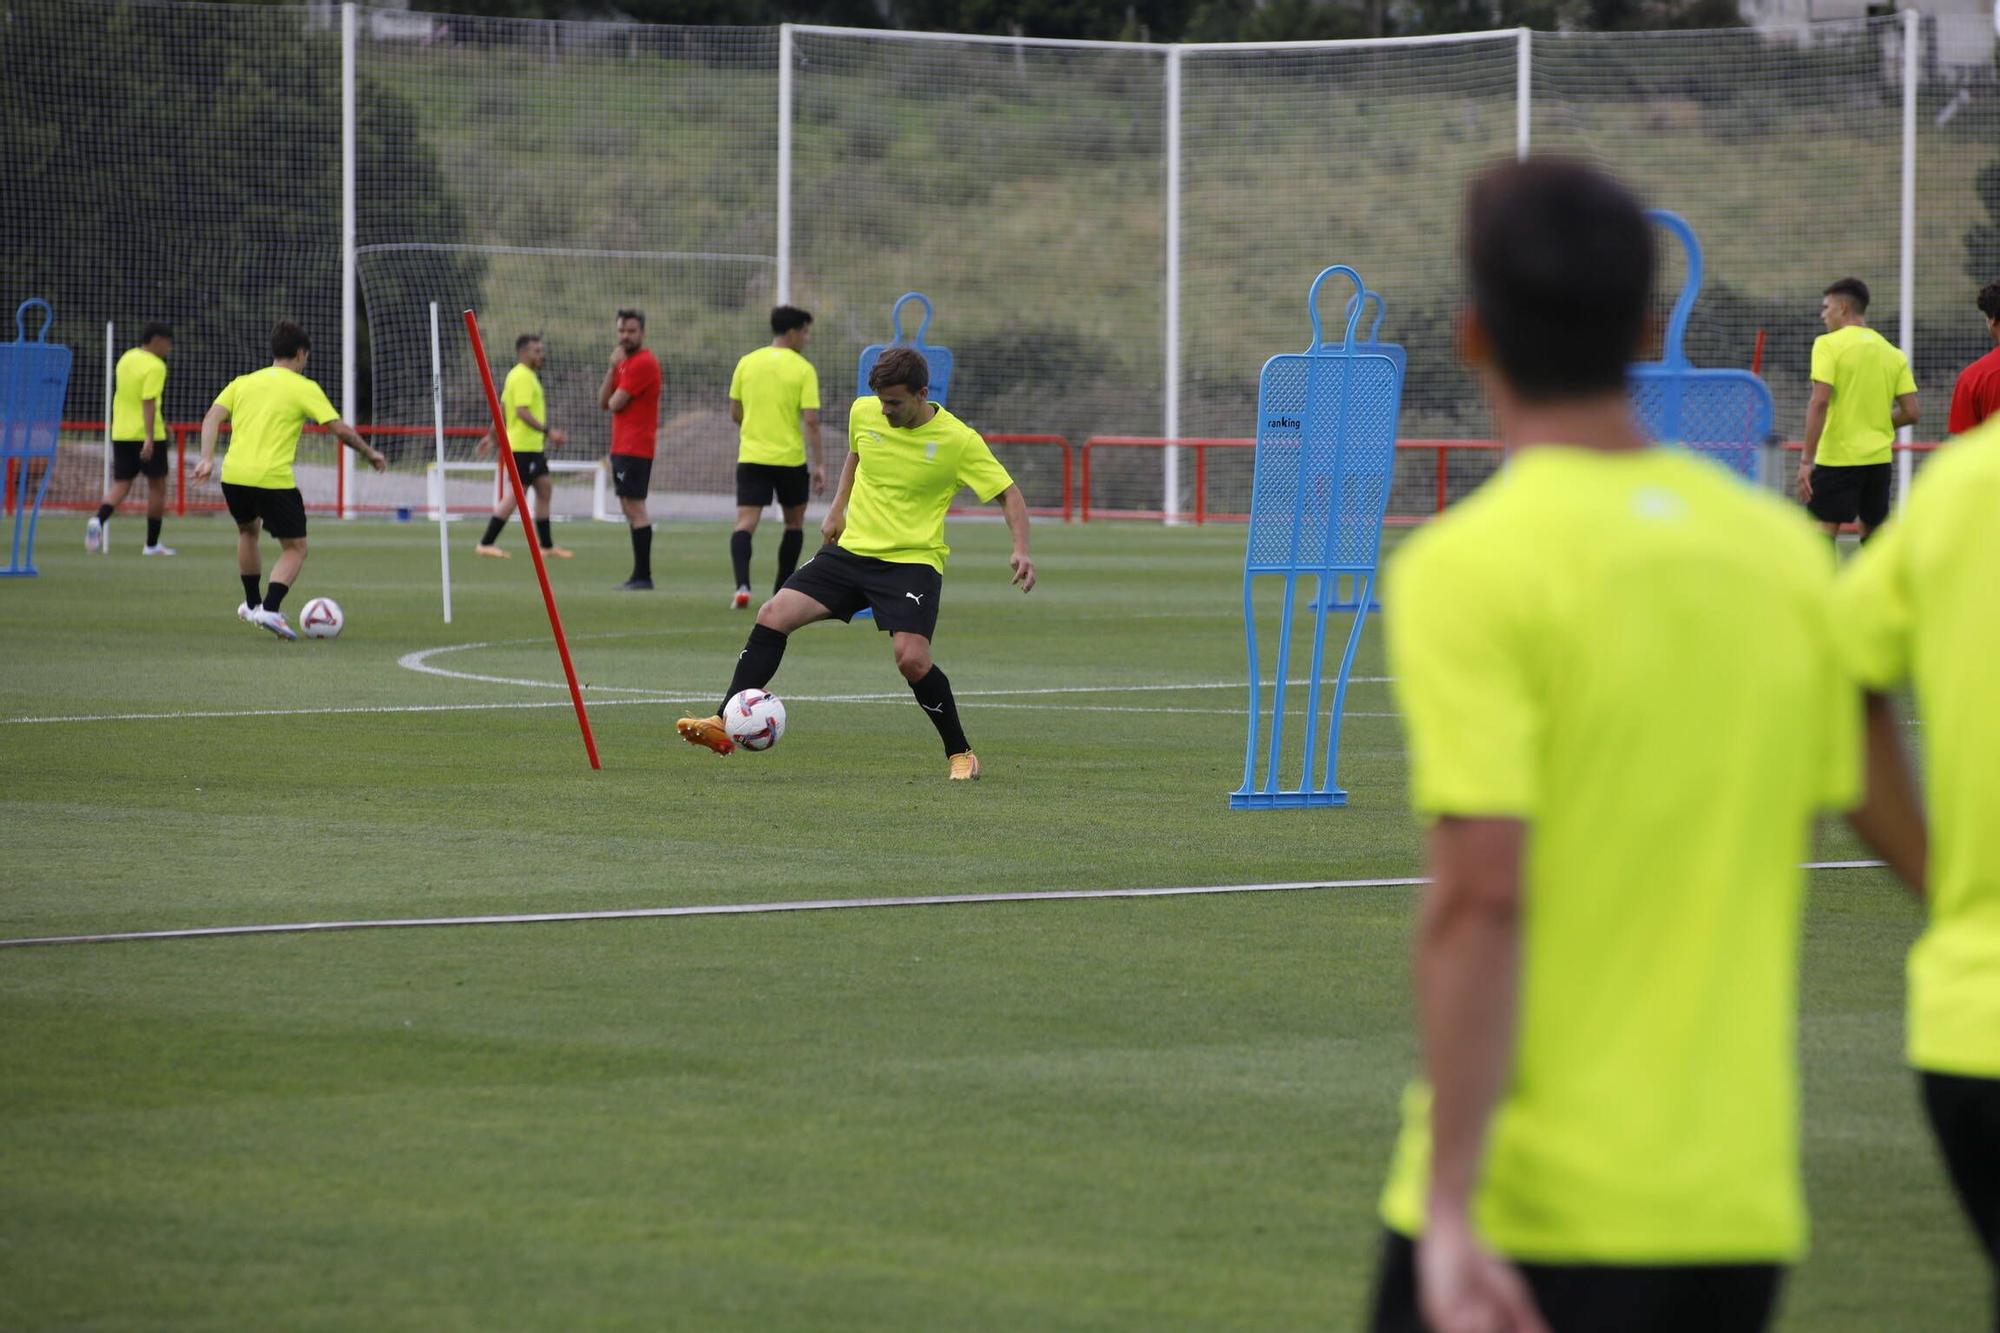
(757, 483)
(1843, 494)
(126, 463)
(1596, 1298)
(903, 597)
(283, 512)
(631, 476)
(1965, 1115)
(532, 465)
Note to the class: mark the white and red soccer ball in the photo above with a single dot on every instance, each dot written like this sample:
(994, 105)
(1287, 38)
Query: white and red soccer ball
(322, 619)
(754, 720)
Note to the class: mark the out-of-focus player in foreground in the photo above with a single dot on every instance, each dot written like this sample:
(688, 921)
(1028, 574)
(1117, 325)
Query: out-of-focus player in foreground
(266, 410)
(1917, 606)
(885, 546)
(1624, 707)
(525, 408)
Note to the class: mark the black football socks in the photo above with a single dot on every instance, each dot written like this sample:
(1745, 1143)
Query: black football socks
(934, 695)
(104, 512)
(642, 553)
(275, 596)
(739, 556)
(542, 532)
(493, 526)
(253, 595)
(152, 532)
(788, 556)
(758, 662)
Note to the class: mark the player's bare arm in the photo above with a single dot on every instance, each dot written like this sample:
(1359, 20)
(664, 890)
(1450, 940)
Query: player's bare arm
(1468, 969)
(1905, 412)
(1816, 409)
(609, 396)
(211, 427)
(350, 437)
(1016, 511)
(736, 410)
(835, 522)
(542, 427)
(810, 418)
(149, 409)
(1890, 818)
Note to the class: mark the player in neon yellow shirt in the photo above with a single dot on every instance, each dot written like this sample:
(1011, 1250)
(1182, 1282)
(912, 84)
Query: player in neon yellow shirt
(774, 397)
(1606, 1137)
(266, 410)
(1862, 394)
(1916, 607)
(885, 549)
(138, 437)
(526, 409)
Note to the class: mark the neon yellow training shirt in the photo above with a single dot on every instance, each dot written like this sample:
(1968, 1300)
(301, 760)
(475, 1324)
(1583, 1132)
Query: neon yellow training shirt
(1917, 604)
(524, 389)
(140, 375)
(905, 481)
(1867, 373)
(267, 409)
(774, 384)
(1633, 653)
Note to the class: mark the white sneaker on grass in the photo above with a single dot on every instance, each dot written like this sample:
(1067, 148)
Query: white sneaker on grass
(246, 613)
(157, 550)
(275, 622)
(93, 535)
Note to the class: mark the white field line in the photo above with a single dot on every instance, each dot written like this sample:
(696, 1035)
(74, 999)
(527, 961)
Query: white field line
(759, 909)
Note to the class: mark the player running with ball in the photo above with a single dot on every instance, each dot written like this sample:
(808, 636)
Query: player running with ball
(885, 546)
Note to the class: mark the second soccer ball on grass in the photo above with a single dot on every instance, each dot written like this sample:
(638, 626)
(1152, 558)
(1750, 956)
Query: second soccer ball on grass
(754, 720)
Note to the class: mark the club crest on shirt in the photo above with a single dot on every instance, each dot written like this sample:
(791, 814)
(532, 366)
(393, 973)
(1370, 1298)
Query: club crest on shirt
(930, 451)
(1658, 503)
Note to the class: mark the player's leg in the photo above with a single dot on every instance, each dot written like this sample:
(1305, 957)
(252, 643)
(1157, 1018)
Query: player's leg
(489, 541)
(545, 490)
(1835, 498)
(1871, 503)
(242, 505)
(632, 478)
(284, 515)
(156, 499)
(794, 487)
(1965, 1117)
(905, 599)
(753, 493)
(124, 467)
(933, 691)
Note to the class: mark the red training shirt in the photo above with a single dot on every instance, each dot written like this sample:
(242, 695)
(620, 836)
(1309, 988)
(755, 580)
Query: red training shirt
(634, 428)
(1977, 396)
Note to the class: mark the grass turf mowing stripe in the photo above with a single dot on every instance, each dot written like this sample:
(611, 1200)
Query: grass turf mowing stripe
(760, 909)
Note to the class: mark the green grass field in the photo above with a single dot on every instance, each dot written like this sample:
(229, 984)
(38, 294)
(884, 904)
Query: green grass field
(1135, 1114)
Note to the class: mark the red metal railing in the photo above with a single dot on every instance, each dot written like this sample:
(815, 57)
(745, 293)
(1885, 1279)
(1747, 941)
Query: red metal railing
(1201, 445)
(1060, 442)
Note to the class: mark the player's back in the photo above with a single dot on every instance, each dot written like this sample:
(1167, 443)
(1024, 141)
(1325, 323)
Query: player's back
(1631, 652)
(1867, 372)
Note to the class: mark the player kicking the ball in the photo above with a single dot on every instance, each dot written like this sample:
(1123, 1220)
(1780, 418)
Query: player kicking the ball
(885, 546)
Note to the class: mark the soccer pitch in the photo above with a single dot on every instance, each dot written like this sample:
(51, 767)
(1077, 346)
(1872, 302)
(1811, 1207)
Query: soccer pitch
(1117, 1113)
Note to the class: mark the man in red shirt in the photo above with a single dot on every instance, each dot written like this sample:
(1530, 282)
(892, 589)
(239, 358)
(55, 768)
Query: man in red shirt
(631, 394)
(1977, 396)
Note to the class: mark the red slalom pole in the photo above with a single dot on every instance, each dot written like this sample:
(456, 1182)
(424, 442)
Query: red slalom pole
(1757, 356)
(527, 517)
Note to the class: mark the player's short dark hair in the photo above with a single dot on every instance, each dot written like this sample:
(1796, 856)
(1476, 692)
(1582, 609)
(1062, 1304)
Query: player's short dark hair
(288, 340)
(525, 339)
(1989, 299)
(1854, 289)
(785, 318)
(624, 315)
(1561, 259)
(900, 365)
(158, 328)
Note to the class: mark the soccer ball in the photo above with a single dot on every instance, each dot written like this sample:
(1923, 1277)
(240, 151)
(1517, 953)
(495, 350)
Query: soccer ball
(322, 619)
(754, 720)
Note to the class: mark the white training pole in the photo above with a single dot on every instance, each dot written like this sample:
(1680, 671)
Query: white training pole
(110, 389)
(1170, 472)
(349, 279)
(784, 286)
(1524, 81)
(1907, 276)
(444, 495)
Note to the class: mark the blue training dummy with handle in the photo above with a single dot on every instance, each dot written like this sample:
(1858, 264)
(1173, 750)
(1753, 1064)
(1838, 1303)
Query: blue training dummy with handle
(1719, 413)
(937, 358)
(34, 377)
(1326, 454)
